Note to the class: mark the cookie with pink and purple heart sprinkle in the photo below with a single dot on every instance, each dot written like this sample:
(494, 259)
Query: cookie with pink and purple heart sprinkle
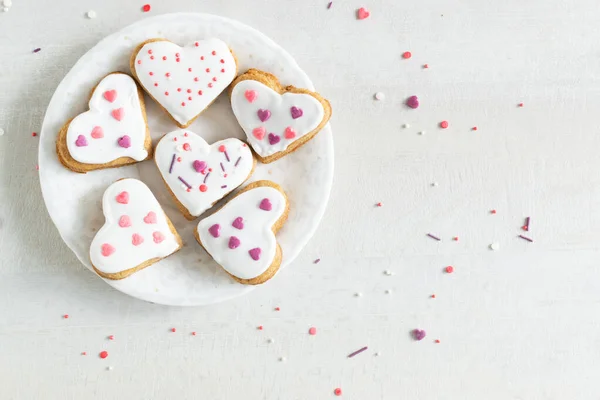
(240, 236)
(277, 120)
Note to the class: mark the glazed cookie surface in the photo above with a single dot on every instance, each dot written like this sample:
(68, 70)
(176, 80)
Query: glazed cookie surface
(277, 120)
(184, 81)
(241, 235)
(112, 133)
(198, 174)
(136, 233)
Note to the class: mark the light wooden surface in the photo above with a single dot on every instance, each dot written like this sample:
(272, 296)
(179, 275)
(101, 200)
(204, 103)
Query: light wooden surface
(516, 323)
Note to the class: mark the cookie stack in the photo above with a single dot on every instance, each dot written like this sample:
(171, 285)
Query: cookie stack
(185, 81)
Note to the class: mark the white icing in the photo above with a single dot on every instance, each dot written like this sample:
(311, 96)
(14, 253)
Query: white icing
(126, 255)
(280, 119)
(194, 200)
(107, 148)
(181, 78)
(256, 232)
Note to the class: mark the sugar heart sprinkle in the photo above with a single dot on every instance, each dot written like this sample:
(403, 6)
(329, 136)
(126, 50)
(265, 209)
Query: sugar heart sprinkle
(255, 253)
(419, 334)
(296, 112)
(215, 230)
(266, 205)
(274, 139)
(81, 141)
(238, 223)
(234, 242)
(263, 115)
(125, 141)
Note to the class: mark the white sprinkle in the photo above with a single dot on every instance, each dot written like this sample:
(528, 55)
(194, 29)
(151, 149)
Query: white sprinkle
(271, 340)
(377, 354)
(421, 133)
(1, 131)
(495, 246)
(379, 96)
(406, 126)
(5, 9)
(389, 291)
(358, 294)
(109, 368)
(91, 14)
(7, 3)
(282, 359)
(434, 184)
(387, 272)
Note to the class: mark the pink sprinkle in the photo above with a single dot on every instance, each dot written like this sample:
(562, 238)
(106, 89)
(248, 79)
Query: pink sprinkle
(111, 337)
(83, 353)
(312, 331)
(380, 204)
(193, 333)
(66, 316)
(173, 330)
(33, 134)
(260, 328)
(521, 104)
(277, 309)
(103, 354)
(425, 66)
(412, 102)
(444, 124)
(329, 5)
(337, 392)
(406, 55)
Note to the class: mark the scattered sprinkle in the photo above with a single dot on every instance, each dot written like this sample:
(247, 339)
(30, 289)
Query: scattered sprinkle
(7, 3)
(260, 328)
(434, 184)
(377, 354)
(337, 392)
(526, 226)
(444, 124)
(271, 340)
(358, 294)
(357, 352)
(406, 126)
(312, 331)
(434, 237)
(433, 296)
(66, 316)
(425, 66)
(109, 368)
(37, 50)
(37, 167)
(421, 132)
(388, 291)
(406, 55)
(103, 354)
(173, 330)
(379, 96)
(455, 238)
(111, 337)
(387, 272)
(277, 309)
(329, 5)
(193, 333)
(91, 14)
(437, 340)
(526, 238)
(419, 334)
(380, 204)
(1, 132)
(493, 211)
(318, 260)
(5, 9)
(495, 246)
(449, 269)
(474, 128)
(282, 359)
(34, 134)
(362, 13)
(84, 353)
(412, 102)
(521, 104)
(146, 8)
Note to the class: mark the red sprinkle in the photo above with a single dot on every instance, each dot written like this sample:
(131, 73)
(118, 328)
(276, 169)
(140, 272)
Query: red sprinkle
(103, 354)
(437, 340)
(203, 188)
(221, 148)
(111, 337)
(186, 146)
(146, 8)
(84, 353)
(455, 238)
(193, 333)
(173, 330)
(33, 134)
(433, 296)
(312, 331)
(66, 316)
(380, 204)
(277, 309)
(406, 55)
(260, 328)
(493, 212)
(521, 104)
(426, 66)
(444, 124)
(337, 392)
(474, 128)
(449, 269)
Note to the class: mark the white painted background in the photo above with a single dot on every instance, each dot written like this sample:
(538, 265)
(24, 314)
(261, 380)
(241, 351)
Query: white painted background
(517, 323)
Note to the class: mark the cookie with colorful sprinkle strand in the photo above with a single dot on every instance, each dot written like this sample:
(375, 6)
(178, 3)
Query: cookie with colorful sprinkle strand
(240, 236)
(184, 81)
(136, 234)
(112, 133)
(277, 120)
(198, 174)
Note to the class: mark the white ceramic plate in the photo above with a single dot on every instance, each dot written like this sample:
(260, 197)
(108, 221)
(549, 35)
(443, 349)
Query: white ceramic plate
(189, 277)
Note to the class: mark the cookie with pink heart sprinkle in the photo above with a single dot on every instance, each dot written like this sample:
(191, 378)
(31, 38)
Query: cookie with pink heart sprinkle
(136, 234)
(112, 133)
(241, 235)
(277, 120)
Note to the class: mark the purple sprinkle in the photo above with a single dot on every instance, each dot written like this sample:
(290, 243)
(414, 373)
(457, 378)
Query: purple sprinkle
(184, 182)
(172, 163)
(526, 238)
(226, 156)
(36, 50)
(238, 161)
(412, 102)
(223, 187)
(318, 260)
(205, 177)
(222, 167)
(357, 352)
(329, 5)
(419, 334)
(434, 237)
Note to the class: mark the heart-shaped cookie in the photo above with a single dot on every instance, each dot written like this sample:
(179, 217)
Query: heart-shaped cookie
(197, 174)
(94, 140)
(183, 80)
(128, 240)
(277, 120)
(248, 251)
